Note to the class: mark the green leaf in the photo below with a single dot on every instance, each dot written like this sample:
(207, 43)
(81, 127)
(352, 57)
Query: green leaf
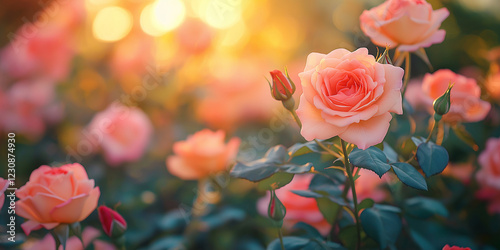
(290, 243)
(299, 149)
(307, 193)
(371, 158)
(276, 181)
(432, 158)
(390, 153)
(382, 223)
(409, 175)
(328, 208)
(423, 208)
(276, 159)
(465, 136)
(366, 203)
(417, 140)
(310, 230)
(348, 236)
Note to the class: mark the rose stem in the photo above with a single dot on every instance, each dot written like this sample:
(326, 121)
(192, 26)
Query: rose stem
(353, 187)
(407, 74)
(280, 234)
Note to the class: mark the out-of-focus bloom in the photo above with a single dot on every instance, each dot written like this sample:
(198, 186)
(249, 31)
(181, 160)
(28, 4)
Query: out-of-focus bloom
(461, 171)
(194, 36)
(112, 222)
(281, 88)
(298, 208)
(447, 247)
(4, 184)
(368, 186)
(89, 236)
(131, 57)
(489, 175)
(405, 24)
(493, 85)
(56, 195)
(466, 105)
(123, 133)
(237, 95)
(350, 95)
(202, 154)
(27, 107)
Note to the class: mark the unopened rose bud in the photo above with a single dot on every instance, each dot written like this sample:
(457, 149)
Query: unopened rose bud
(282, 88)
(384, 58)
(442, 104)
(112, 222)
(276, 209)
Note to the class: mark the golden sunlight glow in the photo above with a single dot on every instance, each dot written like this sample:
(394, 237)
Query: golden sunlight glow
(162, 16)
(112, 24)
(220, 14)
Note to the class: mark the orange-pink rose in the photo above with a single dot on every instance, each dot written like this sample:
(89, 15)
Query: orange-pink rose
(489, 175)
(298, 208)
(350, 95)
(123, 133)
(493, 85)
(202, 154)
(406, 24)
(466, 105)
(56, 195)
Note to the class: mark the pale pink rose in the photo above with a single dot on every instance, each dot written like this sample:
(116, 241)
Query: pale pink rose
(466, 105)
(298, 208)
(28, 107)
(202, 154)
(405, 24)
(46, 54)
(488, 175)
(56, 195)
(123, 133)
(89, 236)
(238, 94)
(4, 184)
(368, 185)
(350, 95)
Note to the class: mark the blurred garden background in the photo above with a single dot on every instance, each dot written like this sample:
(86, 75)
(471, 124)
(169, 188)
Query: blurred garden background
(187, 65)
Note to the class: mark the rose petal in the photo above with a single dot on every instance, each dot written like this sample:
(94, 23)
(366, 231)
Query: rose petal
(313, 125)
(367, 133)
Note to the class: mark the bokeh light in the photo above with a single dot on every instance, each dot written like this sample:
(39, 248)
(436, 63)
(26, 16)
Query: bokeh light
(162, 16)
(112, 24)
(220, 14)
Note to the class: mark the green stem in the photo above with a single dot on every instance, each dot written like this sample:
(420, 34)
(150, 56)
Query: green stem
(407, 73)
(296, 117)
(432, 131)
(280, 234)
(327, 149)
(354, 196)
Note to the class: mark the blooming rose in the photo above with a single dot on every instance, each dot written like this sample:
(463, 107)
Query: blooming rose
(89, 235)
(122, 132)
(202, 154)
(350, 95)
(489, 175)
(466, 105)
(56, 195)
(408, 24)
(298, 208)
(447, 247)
(368, 186)
(4, 184)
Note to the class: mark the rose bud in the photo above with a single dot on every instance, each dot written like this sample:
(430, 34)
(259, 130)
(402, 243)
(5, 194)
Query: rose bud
(112, 222)
(442, 104)
(282, 87)
(276, 209)
(385, 58)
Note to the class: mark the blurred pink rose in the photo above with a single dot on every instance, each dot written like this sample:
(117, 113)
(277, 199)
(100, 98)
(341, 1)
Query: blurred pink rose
(56, 195)
(194, 36)
(237, 95)
(368, 186)
(406, 24)
(488, 175)
(466, 105)
(4, 184)
(202, 154)
(123, 133)
(461, 171)
(492, 85)
(350, 95)
(89, 236)
(27, 107)
(298, 208)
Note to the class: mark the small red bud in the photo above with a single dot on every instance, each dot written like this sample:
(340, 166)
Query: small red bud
(282, 87)
(112, 222)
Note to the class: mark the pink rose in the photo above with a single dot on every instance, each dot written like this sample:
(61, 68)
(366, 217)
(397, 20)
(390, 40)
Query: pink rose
(447, 247)
(368, 186)
(89, 236)
(408, 24)
(298, 208)
(56, 195)
(460, 171)
(4, 184)
(488, 175)
(350, 95)
(123, 133)
(493, 85)
(466, 105)
(202, 154)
